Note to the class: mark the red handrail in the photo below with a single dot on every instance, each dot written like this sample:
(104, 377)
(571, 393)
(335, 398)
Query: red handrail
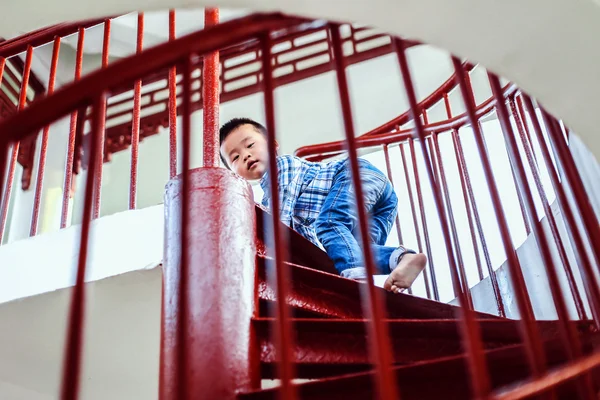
(125, 71)
(17, 45)
(320, 151)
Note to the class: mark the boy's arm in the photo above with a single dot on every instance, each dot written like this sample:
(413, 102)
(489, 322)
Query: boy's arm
(289, 171)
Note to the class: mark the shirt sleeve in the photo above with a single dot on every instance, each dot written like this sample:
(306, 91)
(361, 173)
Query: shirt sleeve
(289, 179)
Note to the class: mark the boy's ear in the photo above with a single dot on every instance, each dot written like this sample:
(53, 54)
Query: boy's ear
(276, 145)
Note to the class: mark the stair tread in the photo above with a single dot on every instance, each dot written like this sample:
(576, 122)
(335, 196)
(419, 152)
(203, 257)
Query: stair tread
(333, 296)
(506, 365)
(503, 330)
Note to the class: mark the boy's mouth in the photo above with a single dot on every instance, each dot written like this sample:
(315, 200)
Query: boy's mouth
(252, 164)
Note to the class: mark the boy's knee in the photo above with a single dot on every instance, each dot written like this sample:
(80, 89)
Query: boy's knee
(322, 225)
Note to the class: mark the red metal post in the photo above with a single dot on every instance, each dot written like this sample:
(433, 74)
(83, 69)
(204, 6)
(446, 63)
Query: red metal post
(414, 216)
(100, 158)
(464, 191)
(210, 98)
(465, 181)
(283, 333)
(584, 261)
(581, 254)
(530, 330)
(379, 342)
(68, 183)
(172, 105)
(44, 147)
(214, 332)
(430, 265)
(569, 336)
(135, 123)
(391, 178)
(74, 337)
(469, 327)
(182, 384)
(568, 168)
(523, 118)
(443, 185)
(548, 211)
(388, 166)
(15, 150)
(468, 210)
(3, 144)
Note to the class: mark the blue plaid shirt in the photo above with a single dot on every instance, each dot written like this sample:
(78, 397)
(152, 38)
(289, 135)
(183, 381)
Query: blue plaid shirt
(303, 187)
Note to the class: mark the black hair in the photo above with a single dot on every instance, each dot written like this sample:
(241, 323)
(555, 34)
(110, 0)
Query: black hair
(232, 125)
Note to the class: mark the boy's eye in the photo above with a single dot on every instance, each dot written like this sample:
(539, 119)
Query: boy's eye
(235, 158)
(250, 145)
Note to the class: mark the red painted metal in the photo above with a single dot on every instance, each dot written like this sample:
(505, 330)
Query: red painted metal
(414, 216)
(530, 332)
(531, 335)
(183, 362)
(441, 179)
(278, 243)
(468, 209)
(102, 146)
(15, 148)
(298, 54)
(571, 176)
(379, 345)
(448, 109)
(210, 98)
(468, 325)
(327, 295)
(552, 379)
(172, 107)
(43, 36)
(569, 337)
(583, 259)
(157, 58)
(331, 149)
(187, 367)
(548, 211)
(3, 144)
(433, 99)
(44, 150)
(68, 183)
(467, 189)
(388, 166)
(523, 118)
(10, 50)
(379, 136)
(74, 338)
(391, 178)
(430, 265)
(135, 127)
(212, 368)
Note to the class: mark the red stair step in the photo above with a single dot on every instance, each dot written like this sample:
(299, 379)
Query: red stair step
(444, 378)
(326, 347)
(336, 297)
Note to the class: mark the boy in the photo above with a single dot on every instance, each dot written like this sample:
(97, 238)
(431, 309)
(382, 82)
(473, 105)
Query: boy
(317, 201)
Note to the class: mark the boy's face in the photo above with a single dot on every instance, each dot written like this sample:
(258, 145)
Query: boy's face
(245, 150)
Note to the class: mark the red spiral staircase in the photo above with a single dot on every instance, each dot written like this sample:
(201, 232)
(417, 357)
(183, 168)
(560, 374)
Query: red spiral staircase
(224, 328)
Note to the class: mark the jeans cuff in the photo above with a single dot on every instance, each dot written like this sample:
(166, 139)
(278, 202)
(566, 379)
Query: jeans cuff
(397, 255)
(354, 273)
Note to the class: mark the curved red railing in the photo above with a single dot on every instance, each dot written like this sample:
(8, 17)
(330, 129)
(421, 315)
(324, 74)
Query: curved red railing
(86, 100)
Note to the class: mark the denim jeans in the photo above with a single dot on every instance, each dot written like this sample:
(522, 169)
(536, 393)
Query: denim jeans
(337, 225)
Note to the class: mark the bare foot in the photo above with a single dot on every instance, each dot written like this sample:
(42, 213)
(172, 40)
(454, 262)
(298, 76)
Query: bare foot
(405, 273)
